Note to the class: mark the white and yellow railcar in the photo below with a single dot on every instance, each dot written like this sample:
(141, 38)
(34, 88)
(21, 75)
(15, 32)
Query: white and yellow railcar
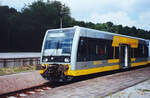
(77, 51)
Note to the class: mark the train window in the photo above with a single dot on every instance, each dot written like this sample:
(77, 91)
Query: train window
(82, 54)
(145, 51)
(60, 40)
(132, 52)
(116, 53)
(110, 50)
(138, 51)
(141, 51)
(91, 49)
(97, 49)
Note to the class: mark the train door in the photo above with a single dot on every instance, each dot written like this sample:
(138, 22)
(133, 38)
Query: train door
(124, 55)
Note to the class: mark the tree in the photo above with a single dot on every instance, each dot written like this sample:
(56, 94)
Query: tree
(5, 27)
(25, 30)
(109, 26)
(36, 19)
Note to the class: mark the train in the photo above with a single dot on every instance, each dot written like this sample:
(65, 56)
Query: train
(76, 51)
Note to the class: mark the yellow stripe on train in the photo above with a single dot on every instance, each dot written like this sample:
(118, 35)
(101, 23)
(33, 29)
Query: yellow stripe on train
(133, 59)
(113, 61)
(91, 71)
(138, 64)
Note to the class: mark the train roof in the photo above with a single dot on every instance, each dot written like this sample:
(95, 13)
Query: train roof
(104, 32)
(99, 31)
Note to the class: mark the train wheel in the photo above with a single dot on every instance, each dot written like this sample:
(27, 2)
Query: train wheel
(69, 78)
(66, 79)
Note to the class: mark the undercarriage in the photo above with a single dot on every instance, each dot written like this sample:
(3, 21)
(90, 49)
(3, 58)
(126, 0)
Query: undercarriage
(55, 73)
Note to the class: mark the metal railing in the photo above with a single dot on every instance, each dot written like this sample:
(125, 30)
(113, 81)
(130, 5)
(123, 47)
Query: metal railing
(11, 62)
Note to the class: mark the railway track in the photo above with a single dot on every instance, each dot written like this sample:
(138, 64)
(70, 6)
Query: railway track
(27, 92)
(97, 85)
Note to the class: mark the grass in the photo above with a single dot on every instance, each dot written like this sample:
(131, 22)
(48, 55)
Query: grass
(144, 90)
(17, 69)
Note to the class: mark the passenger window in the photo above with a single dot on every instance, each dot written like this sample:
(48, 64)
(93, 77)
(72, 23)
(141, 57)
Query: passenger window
(91, 49)
(82, 54)
(141, 51)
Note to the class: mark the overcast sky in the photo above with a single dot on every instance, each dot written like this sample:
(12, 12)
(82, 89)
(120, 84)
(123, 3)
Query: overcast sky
(125, 12)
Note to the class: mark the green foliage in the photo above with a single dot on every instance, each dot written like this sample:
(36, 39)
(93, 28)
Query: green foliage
(25, 30)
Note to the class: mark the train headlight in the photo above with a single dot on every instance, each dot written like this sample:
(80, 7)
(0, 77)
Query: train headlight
(45, 59)
(67, 60)
(52, 58)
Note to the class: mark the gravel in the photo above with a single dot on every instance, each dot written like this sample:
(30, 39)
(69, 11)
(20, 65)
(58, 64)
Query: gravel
(141, 90)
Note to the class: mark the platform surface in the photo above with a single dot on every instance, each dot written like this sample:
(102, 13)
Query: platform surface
(98, 87)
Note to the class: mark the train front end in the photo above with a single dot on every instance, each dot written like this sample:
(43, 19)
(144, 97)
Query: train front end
(56, 54)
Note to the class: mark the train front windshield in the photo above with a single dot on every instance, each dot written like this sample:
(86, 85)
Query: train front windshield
(58, 45)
